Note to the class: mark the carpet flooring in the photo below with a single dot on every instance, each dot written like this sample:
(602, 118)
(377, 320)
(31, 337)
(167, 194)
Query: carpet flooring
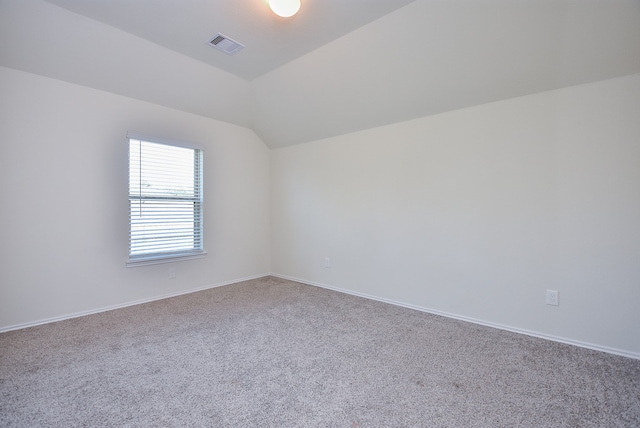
(276, 353)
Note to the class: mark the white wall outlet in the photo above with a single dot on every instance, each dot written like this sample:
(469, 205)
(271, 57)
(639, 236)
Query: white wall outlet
(327, 262)
(552, 297)
(172, 272)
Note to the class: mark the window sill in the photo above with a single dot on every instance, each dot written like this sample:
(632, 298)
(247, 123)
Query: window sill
(146, 261)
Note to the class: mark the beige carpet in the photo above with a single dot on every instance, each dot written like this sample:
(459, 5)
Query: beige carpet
(276, 353)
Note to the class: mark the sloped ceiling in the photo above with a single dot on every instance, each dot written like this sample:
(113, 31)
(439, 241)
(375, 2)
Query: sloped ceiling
(38, 37)
(329, 71)
(434, 56)
(271, 41)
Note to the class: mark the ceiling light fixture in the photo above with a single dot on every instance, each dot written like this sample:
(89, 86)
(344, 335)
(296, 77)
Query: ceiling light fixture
(284, 8)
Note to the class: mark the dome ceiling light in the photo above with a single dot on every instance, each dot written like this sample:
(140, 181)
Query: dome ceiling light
(285, 8)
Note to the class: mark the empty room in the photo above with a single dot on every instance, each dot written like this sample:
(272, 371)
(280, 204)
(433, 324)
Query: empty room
(349, 213)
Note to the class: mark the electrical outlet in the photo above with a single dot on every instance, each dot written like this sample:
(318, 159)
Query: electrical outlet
(172, 272)
(327, 262)
(552, 297)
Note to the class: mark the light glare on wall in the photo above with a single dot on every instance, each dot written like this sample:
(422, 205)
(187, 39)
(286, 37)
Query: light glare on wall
(285, 8)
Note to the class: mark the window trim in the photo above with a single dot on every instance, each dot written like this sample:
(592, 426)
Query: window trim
(147, 261)
(151, 259)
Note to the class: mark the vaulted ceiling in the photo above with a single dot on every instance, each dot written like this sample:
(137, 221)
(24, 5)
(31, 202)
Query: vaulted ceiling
(271, 41)
(336, 67)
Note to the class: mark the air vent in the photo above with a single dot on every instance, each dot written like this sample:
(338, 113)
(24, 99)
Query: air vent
(225, 44)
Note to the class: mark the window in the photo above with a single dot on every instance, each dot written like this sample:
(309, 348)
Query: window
(165, 201)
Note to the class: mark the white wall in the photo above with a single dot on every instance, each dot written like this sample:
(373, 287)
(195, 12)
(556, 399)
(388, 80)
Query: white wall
(477, 212)
(63, 182)
(473, 213)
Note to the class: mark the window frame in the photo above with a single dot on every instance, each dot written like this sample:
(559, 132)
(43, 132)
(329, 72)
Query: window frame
(152, 258)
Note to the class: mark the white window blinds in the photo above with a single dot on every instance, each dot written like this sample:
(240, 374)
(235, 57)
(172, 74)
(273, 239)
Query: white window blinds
(165, 201)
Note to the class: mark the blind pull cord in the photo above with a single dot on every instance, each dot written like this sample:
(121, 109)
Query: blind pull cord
(140, 178)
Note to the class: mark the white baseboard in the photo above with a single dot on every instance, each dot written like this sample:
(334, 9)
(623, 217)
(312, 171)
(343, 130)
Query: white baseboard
(581, 344)
(124, 305)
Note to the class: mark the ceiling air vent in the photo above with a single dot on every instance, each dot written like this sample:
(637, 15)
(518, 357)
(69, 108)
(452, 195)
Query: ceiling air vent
(225, 44)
